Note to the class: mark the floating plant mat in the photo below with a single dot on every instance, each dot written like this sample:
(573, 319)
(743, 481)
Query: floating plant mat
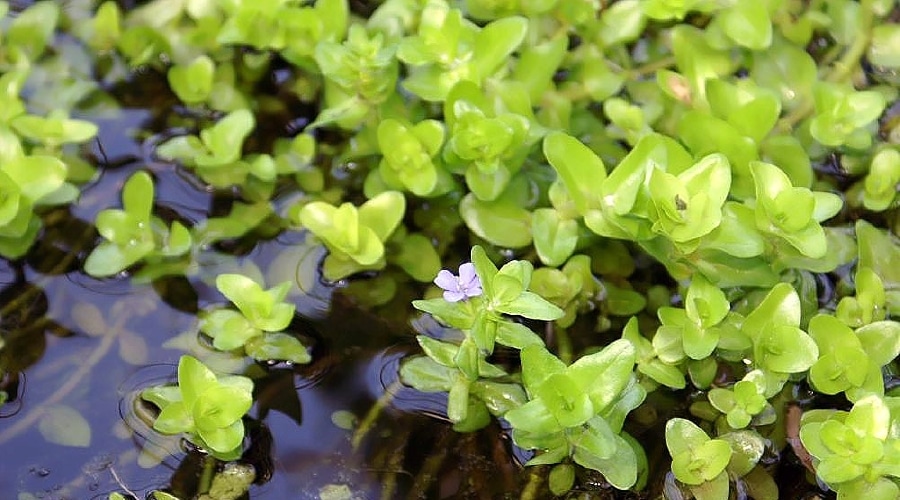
(429, 249)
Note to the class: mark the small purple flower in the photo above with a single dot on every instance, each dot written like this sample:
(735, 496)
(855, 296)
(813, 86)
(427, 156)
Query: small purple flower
(462, 287)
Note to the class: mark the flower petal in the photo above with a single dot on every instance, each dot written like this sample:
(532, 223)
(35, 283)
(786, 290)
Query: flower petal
(454, 296)
(467, 276)
(446, 280)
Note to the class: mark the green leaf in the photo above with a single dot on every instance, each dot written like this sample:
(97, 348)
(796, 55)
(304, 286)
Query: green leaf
(418, 257)
(748, 24)
(581, 171)
(64, 425)
(620, 469)
(747, 447)
(501, 222)
(879, 251)
(884, 49)
(785, 349)
(705, 304)
(194, 378)
(516, 335)
(108, 259)
(495, 43)
(192, 83)
(36, 175)
(454, 314)
(565, 399)
(277, 346)
(683, 436)
(554, 238)
(881, 341)
(781, 306)
(531, 305)
(383, 213)
(426, 375)
(225, 139)
(532, 417)
(606, 373)
(458, 400)
(220, 406)
(870, 416)
(229, 329)
(538, 364)
(174, 419)
(561, 479)
(223, 440)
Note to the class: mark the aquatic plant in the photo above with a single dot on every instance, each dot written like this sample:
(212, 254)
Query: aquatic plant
(612, 220)
(208, 409)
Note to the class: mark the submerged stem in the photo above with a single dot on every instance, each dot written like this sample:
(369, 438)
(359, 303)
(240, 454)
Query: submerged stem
(369, 420)
(535, 479)
(206, 477)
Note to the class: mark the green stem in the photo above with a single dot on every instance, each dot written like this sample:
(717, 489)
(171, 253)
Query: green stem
(535, 479)
(369, 421)
(563, 344)
(842, 69)
(431, 468)
(651, 67)
(206, 477)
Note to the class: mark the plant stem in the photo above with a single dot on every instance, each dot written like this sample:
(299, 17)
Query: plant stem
(535, 479)
(842, 69)
(206, 477)
(563, 345)
(432, 465)
(369, 421)
(651, 67)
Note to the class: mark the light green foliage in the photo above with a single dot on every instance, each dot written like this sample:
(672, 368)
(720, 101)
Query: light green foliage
(648, 360)
(571, 288)
(410, 157)
(207, 408)
(193, 82)
(360, 74)
(695, 330)
(26, 182)
(856, 452)
(697, 460)
(216, 153)
(851, 360)
(869, 303)
(133, 234)
(487, 145)
(679, 164)
(789, 213)
(880, 183)
(53, 130)
(780, 347)
(743, 401)
(256, 325)
(572, 410)
(449, 48)
(354, 236)
(843, 114)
